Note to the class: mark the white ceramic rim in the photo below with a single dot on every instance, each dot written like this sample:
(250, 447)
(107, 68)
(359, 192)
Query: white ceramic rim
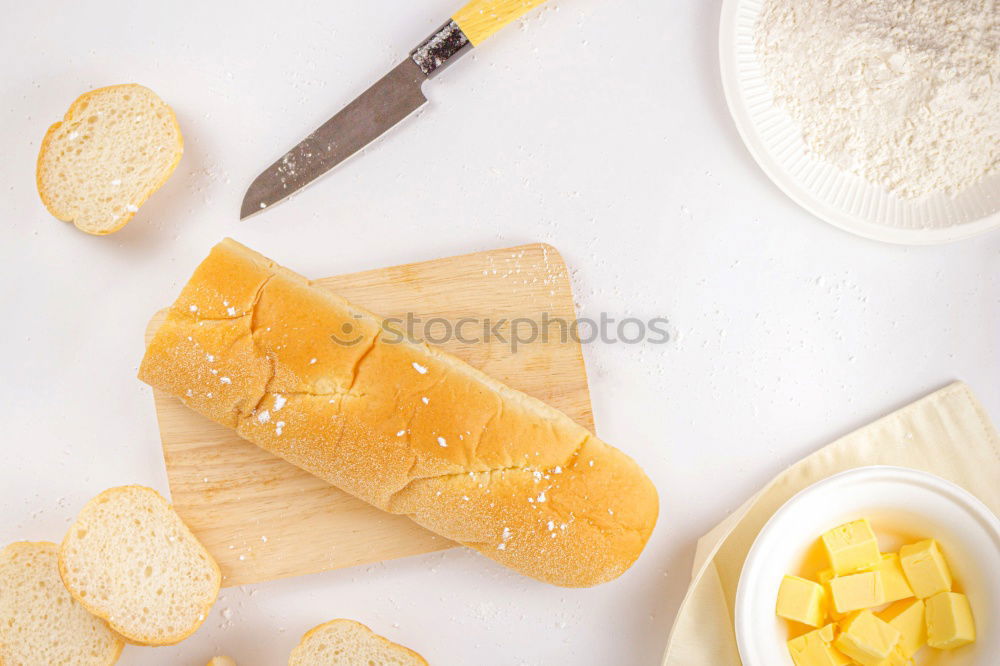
(750, 132)
(979, 511)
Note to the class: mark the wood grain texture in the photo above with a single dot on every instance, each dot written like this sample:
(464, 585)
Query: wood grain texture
(262, 518)
(480, 19)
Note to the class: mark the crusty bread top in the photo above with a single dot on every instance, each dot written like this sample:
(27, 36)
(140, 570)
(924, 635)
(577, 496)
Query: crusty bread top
(40, 623)
(350, 643)
(128, 558)
(408, 428)
(114, 148)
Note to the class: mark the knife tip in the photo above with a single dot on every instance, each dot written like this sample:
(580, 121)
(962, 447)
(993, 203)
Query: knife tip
(249, 208)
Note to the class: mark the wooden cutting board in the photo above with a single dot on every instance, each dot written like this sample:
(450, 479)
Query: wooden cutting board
(263, 518)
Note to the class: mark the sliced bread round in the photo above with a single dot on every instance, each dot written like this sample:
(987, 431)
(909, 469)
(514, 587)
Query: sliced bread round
(349, 643)
(40, 623)
(128, 558)
(222, 661)
(114, 148)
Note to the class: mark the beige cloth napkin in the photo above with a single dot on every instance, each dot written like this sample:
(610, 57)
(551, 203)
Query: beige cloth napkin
(946, 433)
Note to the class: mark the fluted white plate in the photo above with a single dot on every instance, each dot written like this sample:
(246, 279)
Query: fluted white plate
(841, 198)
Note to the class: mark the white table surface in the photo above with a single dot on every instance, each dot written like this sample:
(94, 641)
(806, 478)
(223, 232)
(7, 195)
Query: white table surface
(596, 126)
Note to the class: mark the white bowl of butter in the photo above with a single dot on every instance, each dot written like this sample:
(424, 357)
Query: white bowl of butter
(904, 506)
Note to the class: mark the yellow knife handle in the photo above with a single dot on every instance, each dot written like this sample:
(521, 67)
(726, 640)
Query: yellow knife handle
(480, 19)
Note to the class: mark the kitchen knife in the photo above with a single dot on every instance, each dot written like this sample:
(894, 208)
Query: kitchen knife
(398, 94)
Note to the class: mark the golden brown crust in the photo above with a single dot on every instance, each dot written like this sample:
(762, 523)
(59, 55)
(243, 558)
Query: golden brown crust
(71, 113)
(408, 428)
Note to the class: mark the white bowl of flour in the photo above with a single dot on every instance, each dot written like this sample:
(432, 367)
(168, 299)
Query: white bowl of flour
(880, 117)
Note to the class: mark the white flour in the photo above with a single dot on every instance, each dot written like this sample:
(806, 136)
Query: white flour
(905, 93)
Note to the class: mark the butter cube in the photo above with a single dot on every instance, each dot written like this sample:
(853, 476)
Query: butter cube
(802, 601)
(894, 582)
(815, 649)
(824, 577)
(908, 617)
(896, 658)
(949, 621)
(925, 568)
(857, 591)
(852, 547)
(867, 639)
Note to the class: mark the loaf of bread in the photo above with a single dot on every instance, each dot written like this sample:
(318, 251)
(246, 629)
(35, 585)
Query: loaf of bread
(412, 430)
(113, 149)
(40, 623)
(350, 643)
(130, 560)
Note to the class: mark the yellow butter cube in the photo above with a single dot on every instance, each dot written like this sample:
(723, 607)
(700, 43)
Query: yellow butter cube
(802, 601)
(949, 621)
(852, 547)
(896, 658)
(824, 577)
(894, 582)
(857, 591)
(908, 617)
(925, 567)
(815, 649)
(867, 639)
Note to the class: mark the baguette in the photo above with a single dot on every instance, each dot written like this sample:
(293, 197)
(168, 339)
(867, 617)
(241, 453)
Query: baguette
(130, 560)
(403, 426)
(40, 623)
(113, 149)
(350, 643)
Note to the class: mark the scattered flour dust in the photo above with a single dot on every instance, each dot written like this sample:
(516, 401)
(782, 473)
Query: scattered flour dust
(905, 93)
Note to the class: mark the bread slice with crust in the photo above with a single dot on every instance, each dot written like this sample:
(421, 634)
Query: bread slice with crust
(129, 559)
(222, 661)
(112, 150)
(349, 643)
(40, 623)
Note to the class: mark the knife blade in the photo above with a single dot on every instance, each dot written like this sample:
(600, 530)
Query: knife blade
(385, 104)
